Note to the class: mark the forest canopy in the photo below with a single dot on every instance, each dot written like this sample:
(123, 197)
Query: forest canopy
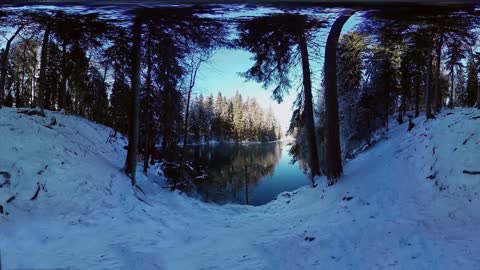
(135, 68)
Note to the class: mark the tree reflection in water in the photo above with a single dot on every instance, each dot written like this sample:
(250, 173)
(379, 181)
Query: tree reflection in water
(225, 173)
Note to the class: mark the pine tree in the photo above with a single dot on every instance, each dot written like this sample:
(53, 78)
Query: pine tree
(472, 83)
(209, 109)
(351, 49)
(238, 120)
(275, 41)
(455, 54)
(218, 126)
(333, 157)
(460, 86)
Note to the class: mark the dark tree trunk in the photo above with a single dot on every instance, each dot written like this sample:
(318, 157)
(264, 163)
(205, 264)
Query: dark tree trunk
(3, 72)
(146, 153)
(43, 68)
(452, 88)
(334, 157)
(417, 94)
(18, 99)
(308, 103)
(428, 99)
(477, 104)
(24, 70)
(147, 106)
(185, 125)
(387, 107)
(134, 128)
(62, 95)
(437, 99)
(48, 95)
(34, 101)
(403, 105)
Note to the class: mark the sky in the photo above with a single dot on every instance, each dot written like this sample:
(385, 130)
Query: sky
(221, 73)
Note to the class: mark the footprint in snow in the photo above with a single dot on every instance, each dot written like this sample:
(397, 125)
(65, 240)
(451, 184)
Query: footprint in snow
(309, 239)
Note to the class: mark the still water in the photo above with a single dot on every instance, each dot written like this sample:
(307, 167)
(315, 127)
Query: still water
(245, 173)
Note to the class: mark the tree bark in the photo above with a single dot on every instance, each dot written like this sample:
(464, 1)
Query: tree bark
(428, 101)
(405, 100)
(477, 104)
(452, 88)
(3, 73)
(308, 109)
(34, 102)
(24, 70)
(62, 96)
(185, 124)
(43, 68)
(437, 99)
(147, 106)
(417, 94)
(333, 157)
(135, 117)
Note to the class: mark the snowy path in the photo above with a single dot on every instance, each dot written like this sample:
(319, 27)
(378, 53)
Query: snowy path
(396, 218)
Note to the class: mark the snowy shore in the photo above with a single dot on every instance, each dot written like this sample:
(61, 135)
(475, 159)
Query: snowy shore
(405, 203)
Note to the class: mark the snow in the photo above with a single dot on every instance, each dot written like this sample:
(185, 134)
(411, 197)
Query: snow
(385, 213)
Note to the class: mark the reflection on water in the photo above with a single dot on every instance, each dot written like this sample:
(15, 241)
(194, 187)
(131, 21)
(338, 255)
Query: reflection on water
(244, 173)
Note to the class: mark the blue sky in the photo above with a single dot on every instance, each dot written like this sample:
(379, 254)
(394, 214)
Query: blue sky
(220, 73)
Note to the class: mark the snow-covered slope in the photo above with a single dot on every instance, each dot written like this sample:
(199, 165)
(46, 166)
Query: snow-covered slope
(403, 204)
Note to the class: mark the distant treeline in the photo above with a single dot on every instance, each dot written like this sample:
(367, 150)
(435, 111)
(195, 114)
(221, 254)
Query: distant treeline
(223, 119)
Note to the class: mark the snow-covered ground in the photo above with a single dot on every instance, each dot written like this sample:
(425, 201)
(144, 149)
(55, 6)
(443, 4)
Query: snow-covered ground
(403, 204)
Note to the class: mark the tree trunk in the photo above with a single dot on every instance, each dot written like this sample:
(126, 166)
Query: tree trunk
(417, 95)
(308, 110)
(185, 124)
(387, 107)
(24, 70)
(135, 117)
(3, 73)
(43, 68)
(18, 100)
(452, 88)
(333, 157)
(62, 95)
(147, 106)
(437, 99)
(146, 154)
(34, 102)
(477, 104)
(428, 101)
(193, 76)
(403, 105)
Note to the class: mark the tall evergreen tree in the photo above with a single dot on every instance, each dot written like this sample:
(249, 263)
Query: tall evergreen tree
(472, 82)
(333, 157)
(275, 40)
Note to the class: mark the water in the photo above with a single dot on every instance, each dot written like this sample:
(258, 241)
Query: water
(245, 173)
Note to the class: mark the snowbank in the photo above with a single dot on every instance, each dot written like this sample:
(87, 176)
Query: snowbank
(387, 212)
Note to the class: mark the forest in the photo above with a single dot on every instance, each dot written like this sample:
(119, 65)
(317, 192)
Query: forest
(123, 146)
(138, 79)
(225, 120)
